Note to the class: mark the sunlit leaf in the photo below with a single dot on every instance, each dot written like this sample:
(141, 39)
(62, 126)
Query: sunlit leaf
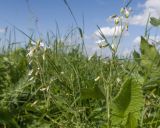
(128, 100)
(149, 53)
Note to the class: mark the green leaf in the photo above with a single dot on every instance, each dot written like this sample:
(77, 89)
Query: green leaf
(128, 100)
(131, 121)
(136, 56)
(148, 50)
(154, 21)
(149, 54)
(96, 112)
(95, 93)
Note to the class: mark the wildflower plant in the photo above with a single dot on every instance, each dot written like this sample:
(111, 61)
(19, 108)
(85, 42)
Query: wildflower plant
(36, 56)
(63, 88)
(120, 22)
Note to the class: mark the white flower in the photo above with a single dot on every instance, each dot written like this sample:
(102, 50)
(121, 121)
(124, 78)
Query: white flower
(33, 43)
(126, 12)
(31, 79)
(126, 27)
(96, 79)
(30, 72)
(118, 80)
(42, 45)
(102, 43)
(39, 44)
(113, 47)
(89, 58)
(62, 73)
(31, 51)
(43, 89)
(116, 20)
(122, 10)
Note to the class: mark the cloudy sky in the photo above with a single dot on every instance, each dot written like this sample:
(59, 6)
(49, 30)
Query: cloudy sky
(41, 16)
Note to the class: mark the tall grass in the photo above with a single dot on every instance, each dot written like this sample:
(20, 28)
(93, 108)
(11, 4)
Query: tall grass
(59, 86)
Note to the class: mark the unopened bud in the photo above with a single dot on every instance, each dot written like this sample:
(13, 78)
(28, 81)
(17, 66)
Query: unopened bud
(116, 20)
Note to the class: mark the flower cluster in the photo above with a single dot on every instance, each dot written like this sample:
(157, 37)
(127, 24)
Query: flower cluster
(35, 50)
(120, 21)
(125, 13)
(34, 47)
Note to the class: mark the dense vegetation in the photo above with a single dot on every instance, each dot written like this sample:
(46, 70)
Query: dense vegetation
(55, 88)
(61, 87)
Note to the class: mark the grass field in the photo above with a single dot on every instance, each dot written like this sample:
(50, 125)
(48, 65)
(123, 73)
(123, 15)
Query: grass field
(60, 86)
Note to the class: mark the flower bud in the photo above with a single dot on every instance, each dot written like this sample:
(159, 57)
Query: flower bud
(126, 12)
(122, 11)
(102, 43)
(126, 27)
(116, 20)
(113, 47)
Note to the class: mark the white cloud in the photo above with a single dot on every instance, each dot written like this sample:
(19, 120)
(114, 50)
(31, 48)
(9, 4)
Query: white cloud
(2, 30)
(151, 40)
(154, 39)
(126, 52)
(155, 4)
(150, 7)
(136, 41)
(110, 31)
(94, 48)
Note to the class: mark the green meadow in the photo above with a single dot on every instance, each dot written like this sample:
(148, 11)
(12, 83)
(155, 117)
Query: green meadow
(57, 85)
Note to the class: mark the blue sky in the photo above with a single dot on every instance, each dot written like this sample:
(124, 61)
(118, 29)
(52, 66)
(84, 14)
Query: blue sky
(23, 15)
